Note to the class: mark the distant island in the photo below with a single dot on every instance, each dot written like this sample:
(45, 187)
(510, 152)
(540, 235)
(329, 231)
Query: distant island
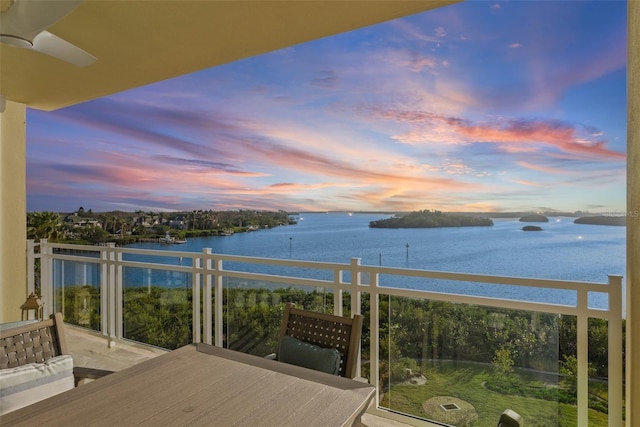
(602, 220)
(534, 218)
(430, 219)
(531, 228)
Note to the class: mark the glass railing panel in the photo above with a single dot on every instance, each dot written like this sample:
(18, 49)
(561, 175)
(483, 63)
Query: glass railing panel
(252, 311)
(598, 398)
(462, 364)
(76, 288)
(157, 307)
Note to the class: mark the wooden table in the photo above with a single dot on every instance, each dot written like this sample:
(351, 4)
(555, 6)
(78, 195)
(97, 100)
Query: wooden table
(204, 385)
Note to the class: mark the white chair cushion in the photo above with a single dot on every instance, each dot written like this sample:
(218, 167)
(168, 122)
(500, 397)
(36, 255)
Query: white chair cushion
(31, 383)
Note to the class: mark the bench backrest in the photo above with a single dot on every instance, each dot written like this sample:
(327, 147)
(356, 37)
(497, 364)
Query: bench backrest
(32, 343)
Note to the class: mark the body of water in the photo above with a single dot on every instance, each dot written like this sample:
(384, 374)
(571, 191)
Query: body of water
(563, 250)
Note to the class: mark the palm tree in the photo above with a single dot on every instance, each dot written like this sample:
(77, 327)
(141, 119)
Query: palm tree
(43, 225)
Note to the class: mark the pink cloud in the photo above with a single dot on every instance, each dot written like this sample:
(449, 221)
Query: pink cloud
(559, 135)
(512, 135)
(530, 183)
(541, 168)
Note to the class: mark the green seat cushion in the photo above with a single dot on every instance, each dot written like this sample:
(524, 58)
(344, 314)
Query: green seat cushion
(296, 352)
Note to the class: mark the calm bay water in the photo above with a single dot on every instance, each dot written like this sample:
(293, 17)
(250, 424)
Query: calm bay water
(563, 250)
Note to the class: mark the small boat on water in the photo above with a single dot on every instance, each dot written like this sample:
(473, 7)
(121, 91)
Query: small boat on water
(168, 240)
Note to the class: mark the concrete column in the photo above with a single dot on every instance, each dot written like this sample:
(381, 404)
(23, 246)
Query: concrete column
(633, 216)
(13, 211)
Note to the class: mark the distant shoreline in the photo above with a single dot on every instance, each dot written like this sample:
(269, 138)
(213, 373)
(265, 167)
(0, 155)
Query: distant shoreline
(618, 221)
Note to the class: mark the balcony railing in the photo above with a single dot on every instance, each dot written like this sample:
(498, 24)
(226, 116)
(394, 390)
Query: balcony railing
(453, 353)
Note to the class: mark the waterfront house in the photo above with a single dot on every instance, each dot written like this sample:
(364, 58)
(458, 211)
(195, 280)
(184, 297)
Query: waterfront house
(143, 42)
(76, 222)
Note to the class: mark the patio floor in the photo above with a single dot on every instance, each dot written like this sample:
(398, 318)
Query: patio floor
(91, 350)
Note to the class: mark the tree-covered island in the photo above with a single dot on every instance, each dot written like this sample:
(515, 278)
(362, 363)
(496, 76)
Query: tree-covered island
(619, 221)
(534, 218)
(430, 219)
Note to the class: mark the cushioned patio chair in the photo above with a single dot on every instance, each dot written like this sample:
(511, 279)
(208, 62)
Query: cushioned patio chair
(35, 364)
(319, 341)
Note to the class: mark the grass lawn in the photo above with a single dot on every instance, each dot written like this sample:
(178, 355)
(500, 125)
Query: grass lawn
(466, 383)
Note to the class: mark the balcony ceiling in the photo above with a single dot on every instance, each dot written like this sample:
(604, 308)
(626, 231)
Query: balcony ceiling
(144, 41)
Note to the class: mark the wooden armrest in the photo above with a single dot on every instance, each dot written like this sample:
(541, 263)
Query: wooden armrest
(81, 373)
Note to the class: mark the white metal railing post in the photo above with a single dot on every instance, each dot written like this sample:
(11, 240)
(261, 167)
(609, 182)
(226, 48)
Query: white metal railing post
(31, 287)
(62, 290)
(356, 303)
(196, 269)
(119, 292)
(374, 337)
(582, 374)
(111, 295)
(46, 276)
(337, 292)
(615, 351)
(207, 318)
(219, 306)
(104, 291)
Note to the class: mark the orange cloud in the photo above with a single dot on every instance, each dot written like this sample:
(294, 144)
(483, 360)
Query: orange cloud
(540, 168)
(529, 183)
(559, 135)
(512, 135)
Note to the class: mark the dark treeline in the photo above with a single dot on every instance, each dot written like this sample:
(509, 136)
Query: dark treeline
(430, 219)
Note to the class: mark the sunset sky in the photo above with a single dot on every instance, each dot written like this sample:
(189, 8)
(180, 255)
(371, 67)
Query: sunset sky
(479, 106)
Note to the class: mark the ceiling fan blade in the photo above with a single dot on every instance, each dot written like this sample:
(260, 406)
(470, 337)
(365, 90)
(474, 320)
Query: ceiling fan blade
(54, 46)
(26, 18)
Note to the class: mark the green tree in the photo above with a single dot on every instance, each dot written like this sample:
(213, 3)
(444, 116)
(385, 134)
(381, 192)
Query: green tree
(502, 361)
(43, 225)
(93, 234)
(569, 372)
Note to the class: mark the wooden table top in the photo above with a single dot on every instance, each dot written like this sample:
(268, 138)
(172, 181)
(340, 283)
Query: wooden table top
(200, 385)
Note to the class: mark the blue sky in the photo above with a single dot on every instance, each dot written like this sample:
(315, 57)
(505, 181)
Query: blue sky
(479, 106)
